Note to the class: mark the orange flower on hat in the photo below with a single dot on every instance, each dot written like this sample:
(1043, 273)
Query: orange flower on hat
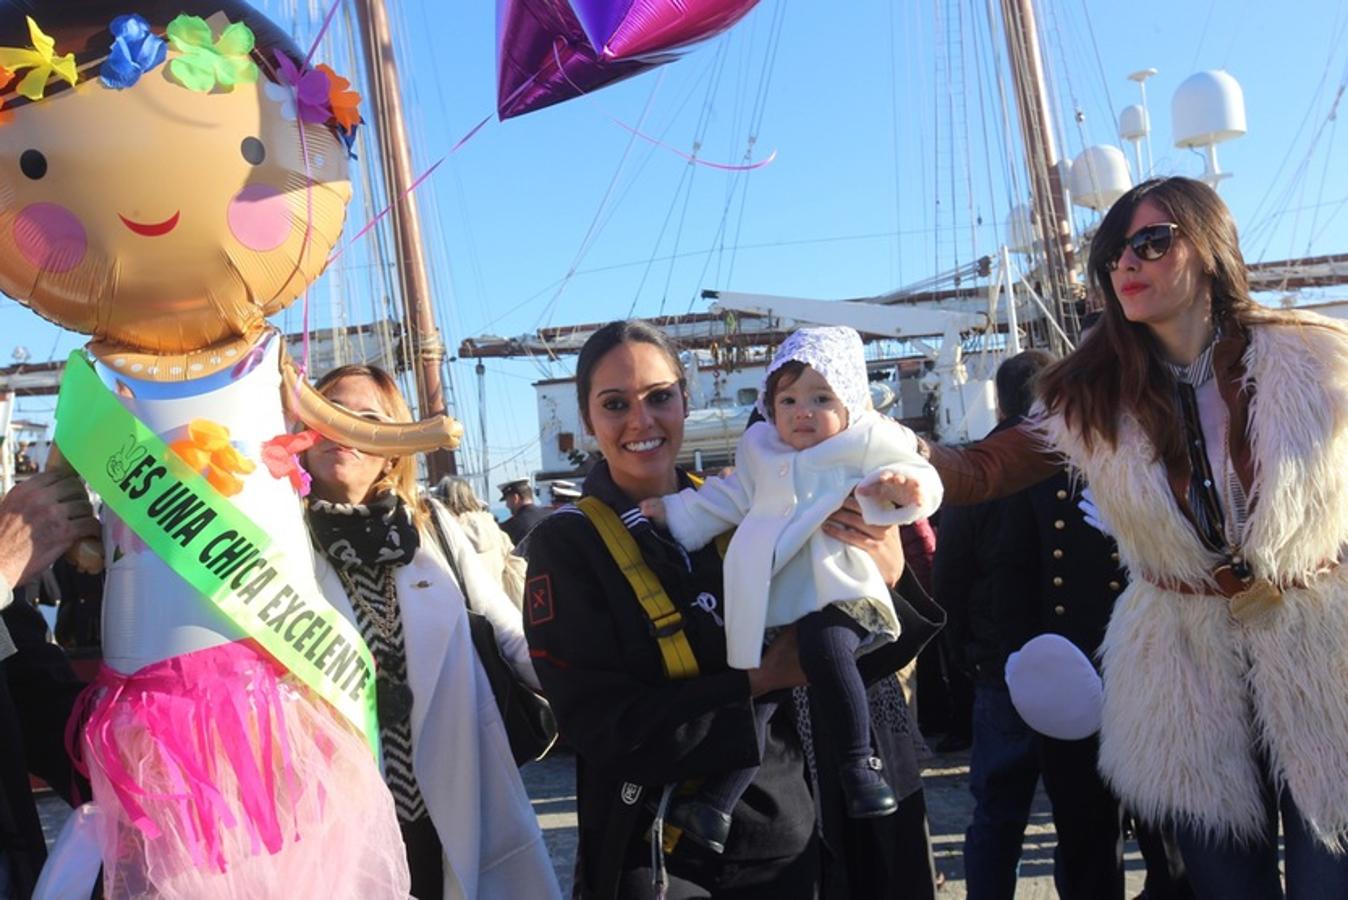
(6, 79)
(207, 450)
(345, 103)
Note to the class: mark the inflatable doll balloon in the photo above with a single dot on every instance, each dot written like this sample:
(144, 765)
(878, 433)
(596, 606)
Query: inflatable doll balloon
(174, 173)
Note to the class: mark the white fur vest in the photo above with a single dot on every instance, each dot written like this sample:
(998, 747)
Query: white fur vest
(1190, 695)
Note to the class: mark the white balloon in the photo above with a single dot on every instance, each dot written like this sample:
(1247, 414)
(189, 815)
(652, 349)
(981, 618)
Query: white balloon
(1055, 688)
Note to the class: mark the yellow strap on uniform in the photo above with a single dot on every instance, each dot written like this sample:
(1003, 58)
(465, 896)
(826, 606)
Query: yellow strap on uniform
(666, 620)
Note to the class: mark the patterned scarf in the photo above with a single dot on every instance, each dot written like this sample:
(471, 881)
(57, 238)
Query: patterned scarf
(378, 533)
(364, 541)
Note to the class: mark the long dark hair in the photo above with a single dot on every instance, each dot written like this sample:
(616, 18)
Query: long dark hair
(1117, 369)
(611, 335)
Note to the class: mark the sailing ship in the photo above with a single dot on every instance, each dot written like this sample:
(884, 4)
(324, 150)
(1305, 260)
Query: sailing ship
(934, 346)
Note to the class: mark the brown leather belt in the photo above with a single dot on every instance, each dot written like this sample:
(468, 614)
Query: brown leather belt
(1229, 584)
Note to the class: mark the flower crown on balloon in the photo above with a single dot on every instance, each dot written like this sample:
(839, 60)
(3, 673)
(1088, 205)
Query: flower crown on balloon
(203, 62)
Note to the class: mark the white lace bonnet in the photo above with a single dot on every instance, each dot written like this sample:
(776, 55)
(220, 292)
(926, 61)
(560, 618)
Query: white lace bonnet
(833, 351)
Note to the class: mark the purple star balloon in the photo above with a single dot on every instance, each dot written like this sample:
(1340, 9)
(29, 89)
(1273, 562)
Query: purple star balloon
(543, 57)
(629, 29)
(552, 50)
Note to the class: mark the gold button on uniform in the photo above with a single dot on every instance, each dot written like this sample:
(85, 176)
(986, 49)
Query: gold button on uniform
(1114, 586)
(1057, 581)
(1059, 524)
(1114, 557)
(1057, 553)
(1062, 495)
(1060, 610)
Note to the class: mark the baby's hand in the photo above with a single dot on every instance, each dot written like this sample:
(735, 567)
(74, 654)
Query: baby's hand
(895, 488)
(654, 509)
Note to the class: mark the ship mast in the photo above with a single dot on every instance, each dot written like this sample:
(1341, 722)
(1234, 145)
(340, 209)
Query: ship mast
(1041, 151)
(426, 347)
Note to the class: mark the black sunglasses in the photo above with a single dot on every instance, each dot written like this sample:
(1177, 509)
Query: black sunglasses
(1150, 243)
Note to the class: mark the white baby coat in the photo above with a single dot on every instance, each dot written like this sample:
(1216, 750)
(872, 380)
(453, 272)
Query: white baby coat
(780, 566)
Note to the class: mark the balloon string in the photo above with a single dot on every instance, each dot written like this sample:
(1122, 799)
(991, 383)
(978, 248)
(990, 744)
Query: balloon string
(327, 20)
(691, 158)
(724, 167)
(385, 211)
(308, 229)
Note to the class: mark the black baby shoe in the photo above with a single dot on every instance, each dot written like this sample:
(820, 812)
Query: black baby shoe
(701, 823)
(865, 791)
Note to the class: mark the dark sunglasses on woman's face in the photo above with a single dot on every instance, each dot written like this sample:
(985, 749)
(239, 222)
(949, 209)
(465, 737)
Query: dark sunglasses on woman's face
(1149, 244)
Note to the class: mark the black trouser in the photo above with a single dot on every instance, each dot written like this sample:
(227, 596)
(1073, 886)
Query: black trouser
(796, 878)
(828, 642)
(880, 859)
(424, 858)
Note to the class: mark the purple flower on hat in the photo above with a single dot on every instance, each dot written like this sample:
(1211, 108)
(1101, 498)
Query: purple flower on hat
(135, 51)
(311, 90)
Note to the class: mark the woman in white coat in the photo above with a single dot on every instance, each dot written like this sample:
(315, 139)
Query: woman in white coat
(466, 819)
(494, 547)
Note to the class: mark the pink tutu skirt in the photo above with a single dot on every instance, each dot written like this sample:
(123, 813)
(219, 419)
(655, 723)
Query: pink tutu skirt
(219, 775)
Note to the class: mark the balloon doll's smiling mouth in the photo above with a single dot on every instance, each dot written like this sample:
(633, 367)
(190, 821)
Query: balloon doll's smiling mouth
(151, 229)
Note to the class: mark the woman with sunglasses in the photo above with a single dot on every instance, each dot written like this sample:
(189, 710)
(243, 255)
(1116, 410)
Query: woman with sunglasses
(1214, 435)
(466, 821)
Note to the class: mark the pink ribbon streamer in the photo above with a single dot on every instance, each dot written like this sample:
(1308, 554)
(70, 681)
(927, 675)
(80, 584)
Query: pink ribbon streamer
(327, 20)
(693, 160)
(387, 209)
(724, 167)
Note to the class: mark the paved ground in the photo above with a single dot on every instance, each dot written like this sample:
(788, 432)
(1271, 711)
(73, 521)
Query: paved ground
(551, 784)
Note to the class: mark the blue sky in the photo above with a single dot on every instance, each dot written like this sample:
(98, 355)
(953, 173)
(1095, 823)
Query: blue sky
(857, 99)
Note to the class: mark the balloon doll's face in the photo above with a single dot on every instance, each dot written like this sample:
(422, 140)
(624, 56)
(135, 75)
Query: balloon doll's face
(162, 219)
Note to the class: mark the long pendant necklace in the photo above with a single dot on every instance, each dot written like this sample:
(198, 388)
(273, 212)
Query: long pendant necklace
(393, 696)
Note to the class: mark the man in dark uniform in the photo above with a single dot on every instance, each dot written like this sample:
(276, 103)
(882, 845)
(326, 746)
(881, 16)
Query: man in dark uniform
(1006, 571)
(518, 497)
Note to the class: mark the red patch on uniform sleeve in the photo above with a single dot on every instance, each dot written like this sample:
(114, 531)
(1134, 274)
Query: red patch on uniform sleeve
(538, 594)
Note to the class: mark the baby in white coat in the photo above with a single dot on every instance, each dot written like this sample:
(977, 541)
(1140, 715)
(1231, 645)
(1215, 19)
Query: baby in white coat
(821, 441)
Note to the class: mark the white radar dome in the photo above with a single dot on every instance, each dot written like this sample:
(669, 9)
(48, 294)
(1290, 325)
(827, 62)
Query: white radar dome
(1022, 232)
(1134, 123)
(1099, 177)
(1208, 108)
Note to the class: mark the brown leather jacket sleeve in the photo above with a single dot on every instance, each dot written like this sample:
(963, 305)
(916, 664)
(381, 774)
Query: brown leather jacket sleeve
(997, 466)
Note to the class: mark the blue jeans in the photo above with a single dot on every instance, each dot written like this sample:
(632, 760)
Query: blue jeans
(1003, 772)
(1224, 870)
(1007, 762)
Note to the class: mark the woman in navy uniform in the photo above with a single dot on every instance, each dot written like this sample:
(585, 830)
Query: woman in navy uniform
(637, 730)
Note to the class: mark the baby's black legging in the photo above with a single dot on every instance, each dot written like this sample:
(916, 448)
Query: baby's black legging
(828, 642)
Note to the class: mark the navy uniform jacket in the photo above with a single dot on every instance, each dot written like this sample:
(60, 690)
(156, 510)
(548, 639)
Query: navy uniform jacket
(522, 522)
(1078, 577)
(1010, 569)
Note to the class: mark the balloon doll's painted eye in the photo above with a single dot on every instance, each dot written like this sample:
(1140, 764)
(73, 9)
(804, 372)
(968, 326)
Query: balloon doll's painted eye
(33, 164)
(253, 151)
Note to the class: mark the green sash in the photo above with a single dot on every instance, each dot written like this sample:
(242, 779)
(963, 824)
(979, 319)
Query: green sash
(210, 544)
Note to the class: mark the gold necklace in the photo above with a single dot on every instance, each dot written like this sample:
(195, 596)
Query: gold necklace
(385, 620)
